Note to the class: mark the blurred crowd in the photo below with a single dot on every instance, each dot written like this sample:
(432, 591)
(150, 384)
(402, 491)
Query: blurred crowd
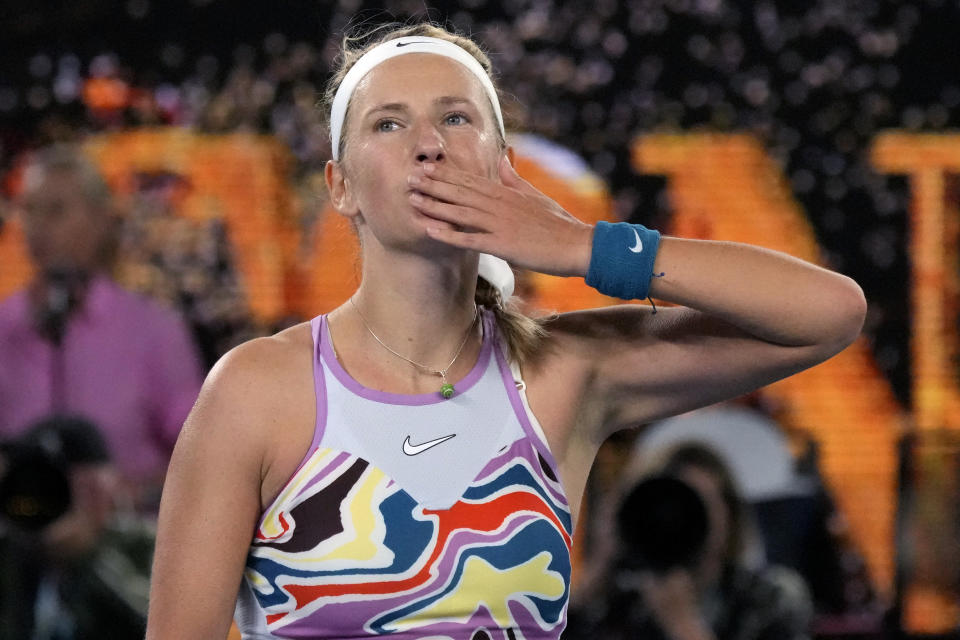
(815, 81)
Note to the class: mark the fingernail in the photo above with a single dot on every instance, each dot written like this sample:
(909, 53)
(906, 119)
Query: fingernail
(428, 167)
(413, 180)
(416, 197)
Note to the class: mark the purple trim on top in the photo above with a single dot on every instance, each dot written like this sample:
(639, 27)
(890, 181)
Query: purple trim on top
(319, 385)
(385, 397)
(520, 411)
(320, 423)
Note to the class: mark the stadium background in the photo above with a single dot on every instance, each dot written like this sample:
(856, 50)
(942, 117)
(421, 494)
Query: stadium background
(820, 128)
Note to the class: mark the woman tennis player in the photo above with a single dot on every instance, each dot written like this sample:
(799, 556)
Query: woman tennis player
(411, 463)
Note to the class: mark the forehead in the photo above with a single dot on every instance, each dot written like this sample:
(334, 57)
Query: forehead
(69, 186)
(417, 76)
(51, 181)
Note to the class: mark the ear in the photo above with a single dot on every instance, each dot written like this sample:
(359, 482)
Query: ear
(338, 187)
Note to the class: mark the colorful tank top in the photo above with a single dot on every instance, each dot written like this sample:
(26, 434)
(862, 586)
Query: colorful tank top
(413, 516)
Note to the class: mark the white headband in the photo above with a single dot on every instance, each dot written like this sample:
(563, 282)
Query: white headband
(494, 270)
(391, 49)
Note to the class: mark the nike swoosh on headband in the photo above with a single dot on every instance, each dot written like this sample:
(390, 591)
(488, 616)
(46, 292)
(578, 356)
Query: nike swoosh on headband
(403, 44)
(414, 449)
(637, 248)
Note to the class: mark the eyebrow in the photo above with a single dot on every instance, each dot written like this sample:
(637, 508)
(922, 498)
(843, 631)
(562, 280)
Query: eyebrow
(401, 106)
(448, 100)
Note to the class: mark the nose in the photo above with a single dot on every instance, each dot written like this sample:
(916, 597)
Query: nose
(429, 145)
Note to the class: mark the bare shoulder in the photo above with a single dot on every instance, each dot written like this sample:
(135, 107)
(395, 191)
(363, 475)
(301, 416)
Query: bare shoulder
(255, 404)
(267, 356)
(254, 385)
(255, 370)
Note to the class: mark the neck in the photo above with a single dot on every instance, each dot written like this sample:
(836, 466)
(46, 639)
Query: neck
(418, 307)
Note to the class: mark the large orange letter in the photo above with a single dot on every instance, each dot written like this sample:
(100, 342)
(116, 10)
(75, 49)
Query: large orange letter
(931, 604)
(725, 187)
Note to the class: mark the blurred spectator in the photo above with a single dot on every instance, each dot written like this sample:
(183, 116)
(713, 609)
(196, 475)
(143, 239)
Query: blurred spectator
(815, 81)
(684, 570)
(70, 567)
(74, 341)
(806, 530)
(798, 521)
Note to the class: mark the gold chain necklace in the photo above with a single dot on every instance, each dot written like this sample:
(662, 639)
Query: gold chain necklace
(446, 389)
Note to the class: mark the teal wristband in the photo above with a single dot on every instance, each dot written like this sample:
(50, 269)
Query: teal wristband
(621, 263)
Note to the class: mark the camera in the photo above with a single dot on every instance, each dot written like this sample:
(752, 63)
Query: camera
(663, 524)
(34, 489)
(34, 473)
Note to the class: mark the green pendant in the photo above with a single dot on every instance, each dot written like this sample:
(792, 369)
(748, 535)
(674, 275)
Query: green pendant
(446, 390)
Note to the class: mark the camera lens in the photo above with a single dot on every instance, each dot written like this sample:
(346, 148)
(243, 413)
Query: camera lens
(35, 490)
(663, 524)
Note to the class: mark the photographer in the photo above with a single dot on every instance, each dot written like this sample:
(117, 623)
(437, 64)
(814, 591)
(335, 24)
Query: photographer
(681, 573)
(74, 341)
(70, 567)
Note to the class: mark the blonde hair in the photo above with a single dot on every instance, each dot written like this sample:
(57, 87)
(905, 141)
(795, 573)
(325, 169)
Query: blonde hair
(522, 333)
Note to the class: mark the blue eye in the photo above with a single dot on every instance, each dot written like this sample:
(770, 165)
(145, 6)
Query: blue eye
(387, 125)
(456, 119)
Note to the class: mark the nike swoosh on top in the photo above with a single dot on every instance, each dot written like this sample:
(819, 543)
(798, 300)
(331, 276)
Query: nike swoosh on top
(403, 44)
(413, 449)
(637, 248)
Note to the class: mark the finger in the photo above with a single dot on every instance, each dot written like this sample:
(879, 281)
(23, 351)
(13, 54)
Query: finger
(461, 239)
(445, 173)
(449, 192)
(453, 213)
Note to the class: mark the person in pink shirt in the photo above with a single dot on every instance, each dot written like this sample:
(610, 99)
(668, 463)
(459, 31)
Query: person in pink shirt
(75, 342)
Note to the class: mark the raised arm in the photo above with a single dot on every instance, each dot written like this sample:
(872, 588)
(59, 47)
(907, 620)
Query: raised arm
(749, 316)
(767, 294)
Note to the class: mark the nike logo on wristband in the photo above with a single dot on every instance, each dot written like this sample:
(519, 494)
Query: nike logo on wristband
(637, 248)
(414, 449)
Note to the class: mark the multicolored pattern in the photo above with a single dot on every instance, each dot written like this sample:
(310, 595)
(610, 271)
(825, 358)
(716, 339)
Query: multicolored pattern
(496, 565)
